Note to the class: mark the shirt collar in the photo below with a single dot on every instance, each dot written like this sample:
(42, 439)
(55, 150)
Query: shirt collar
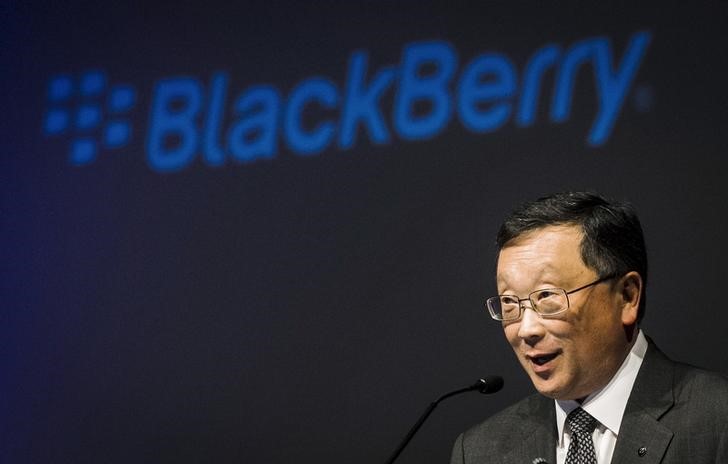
(607, 405)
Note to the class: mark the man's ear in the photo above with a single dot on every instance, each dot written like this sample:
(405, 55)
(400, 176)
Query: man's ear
(630, 292)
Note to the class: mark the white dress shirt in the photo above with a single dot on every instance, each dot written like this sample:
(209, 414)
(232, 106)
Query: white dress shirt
(606, 405)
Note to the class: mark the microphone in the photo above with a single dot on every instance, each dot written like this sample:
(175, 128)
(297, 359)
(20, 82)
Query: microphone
(486, 385)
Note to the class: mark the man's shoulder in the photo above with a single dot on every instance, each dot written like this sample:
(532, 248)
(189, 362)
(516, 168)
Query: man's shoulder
(518, 433)
(690, 376)
(501, 428)
(690, 396)
(689, 381)
(517, 411)
(700, 387)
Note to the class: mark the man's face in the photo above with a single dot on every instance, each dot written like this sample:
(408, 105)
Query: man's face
(572, 354)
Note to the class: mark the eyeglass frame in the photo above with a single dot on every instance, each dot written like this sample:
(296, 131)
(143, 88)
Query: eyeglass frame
(521, 306)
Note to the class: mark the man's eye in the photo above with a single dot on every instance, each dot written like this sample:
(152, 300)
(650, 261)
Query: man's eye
(545, 294)
(508, 300)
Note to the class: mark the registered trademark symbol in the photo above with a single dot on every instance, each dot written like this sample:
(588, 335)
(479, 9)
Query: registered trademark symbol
(643, 98)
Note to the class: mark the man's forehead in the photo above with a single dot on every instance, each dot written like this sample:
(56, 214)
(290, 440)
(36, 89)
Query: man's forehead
(547, 252)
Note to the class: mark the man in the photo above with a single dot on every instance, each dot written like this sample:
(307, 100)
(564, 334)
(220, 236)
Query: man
(571, 277)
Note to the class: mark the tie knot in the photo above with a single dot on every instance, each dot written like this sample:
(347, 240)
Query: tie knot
(581, 421)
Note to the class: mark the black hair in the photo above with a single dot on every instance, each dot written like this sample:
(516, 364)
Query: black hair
(613, 242)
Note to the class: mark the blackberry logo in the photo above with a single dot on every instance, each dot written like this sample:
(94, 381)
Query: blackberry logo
(191, 119)
(90, 111)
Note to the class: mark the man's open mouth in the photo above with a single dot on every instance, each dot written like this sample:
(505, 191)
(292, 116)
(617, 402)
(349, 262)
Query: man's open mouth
(541, 360)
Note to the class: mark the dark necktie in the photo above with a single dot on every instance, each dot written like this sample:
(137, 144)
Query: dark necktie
(581, 448)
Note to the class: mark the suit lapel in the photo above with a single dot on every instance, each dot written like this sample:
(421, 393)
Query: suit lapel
(642, 438)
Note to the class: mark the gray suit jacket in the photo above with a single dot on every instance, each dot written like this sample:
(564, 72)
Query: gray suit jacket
(676, 414)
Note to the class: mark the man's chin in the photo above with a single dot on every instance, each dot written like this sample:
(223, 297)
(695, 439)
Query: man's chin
(558, 391)
(548, 387)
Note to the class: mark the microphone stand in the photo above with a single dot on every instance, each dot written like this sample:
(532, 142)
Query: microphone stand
(490, 384)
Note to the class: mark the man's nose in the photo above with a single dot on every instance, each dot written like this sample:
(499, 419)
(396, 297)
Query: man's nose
(531, 326)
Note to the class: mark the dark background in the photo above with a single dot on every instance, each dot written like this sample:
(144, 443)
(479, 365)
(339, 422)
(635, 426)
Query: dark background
(308, 309)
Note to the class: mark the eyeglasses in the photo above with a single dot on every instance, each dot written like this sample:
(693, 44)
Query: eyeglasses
(546, 302)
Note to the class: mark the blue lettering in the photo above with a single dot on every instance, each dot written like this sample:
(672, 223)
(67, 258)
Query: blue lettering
(181, 121)
(361, 103)
(531, 90)
(254, 136)
(213, 154)
(577, 55)
(166, 122)
(612, 87)
(309, 143)
(431, 88)
(488, 79)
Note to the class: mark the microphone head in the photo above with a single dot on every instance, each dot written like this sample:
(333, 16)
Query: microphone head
(490, 384)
